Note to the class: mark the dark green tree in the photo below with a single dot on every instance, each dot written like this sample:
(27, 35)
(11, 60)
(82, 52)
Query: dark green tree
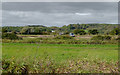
(115, 31)
(79, 31)
(4, 30)
(14, 32)
(94, 31)
(25, 30)
(10, 36)
(37, 31)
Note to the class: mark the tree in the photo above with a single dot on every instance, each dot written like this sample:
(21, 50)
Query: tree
(115, 31)
(14, 32)
(37, 31)
(4, 30)
(10, 36)
(25, 30)
(94, 31)
(79, 31)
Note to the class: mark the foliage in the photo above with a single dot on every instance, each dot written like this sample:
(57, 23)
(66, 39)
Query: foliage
(107, 37)
(61, 40)
(115, 31)
(50, 66)
(102, 28)
(14, 32)
(94, 31)
(40, 29)
(4, 30)
(25, 30)
(64, 37)
(118, 38)
(10, 36)
(79, 31)
(12, 28)
(35, 30)
(99, 37)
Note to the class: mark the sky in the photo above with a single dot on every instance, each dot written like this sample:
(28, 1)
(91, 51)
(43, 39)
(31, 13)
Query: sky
(58, 13)
(60, 0)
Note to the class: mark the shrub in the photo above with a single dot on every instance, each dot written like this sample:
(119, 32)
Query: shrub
(64, 37)
(81, 31)
(115, 31)
(99, 37)
(107, 37)
(118, 38)
(10, 36)
(94, 31)
(4, 30)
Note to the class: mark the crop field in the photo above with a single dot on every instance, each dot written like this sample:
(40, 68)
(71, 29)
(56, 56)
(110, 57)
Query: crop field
(60, 58)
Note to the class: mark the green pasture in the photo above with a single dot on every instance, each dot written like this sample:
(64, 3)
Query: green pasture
(59, 52)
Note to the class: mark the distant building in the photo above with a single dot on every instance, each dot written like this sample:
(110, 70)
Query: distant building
(53, 31)
(72, 34)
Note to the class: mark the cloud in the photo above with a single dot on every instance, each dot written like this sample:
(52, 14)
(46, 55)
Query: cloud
(60, 0)
(60, 7)
(83, 14)
(59, 13)
(19, 13)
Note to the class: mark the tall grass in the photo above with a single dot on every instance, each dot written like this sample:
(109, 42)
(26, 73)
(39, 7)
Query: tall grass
(61, 40)
(59, 58)
(48, 65)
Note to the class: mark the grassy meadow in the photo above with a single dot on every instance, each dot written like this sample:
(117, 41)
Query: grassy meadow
(59, 58)
(59, 53)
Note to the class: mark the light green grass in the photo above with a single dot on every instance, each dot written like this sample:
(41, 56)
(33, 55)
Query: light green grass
(59, 52)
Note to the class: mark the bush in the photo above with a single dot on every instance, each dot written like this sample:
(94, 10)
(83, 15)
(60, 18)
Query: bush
(115, 31)
(118, 38)
(64, 37)
(107, 37)
(94, 31)
(10, 36)
(4, 30)
(81, 31)
(99, 37)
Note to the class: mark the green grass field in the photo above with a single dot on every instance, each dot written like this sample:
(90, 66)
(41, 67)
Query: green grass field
(21, 53)
(60, 52)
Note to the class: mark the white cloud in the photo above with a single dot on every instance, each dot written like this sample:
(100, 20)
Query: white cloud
(19, 13)
(83, 14)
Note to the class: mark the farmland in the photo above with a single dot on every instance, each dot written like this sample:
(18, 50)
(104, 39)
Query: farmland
(67, 49)
(59, 55)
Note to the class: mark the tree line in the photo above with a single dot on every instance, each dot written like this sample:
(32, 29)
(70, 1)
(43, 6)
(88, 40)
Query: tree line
(80, 29)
